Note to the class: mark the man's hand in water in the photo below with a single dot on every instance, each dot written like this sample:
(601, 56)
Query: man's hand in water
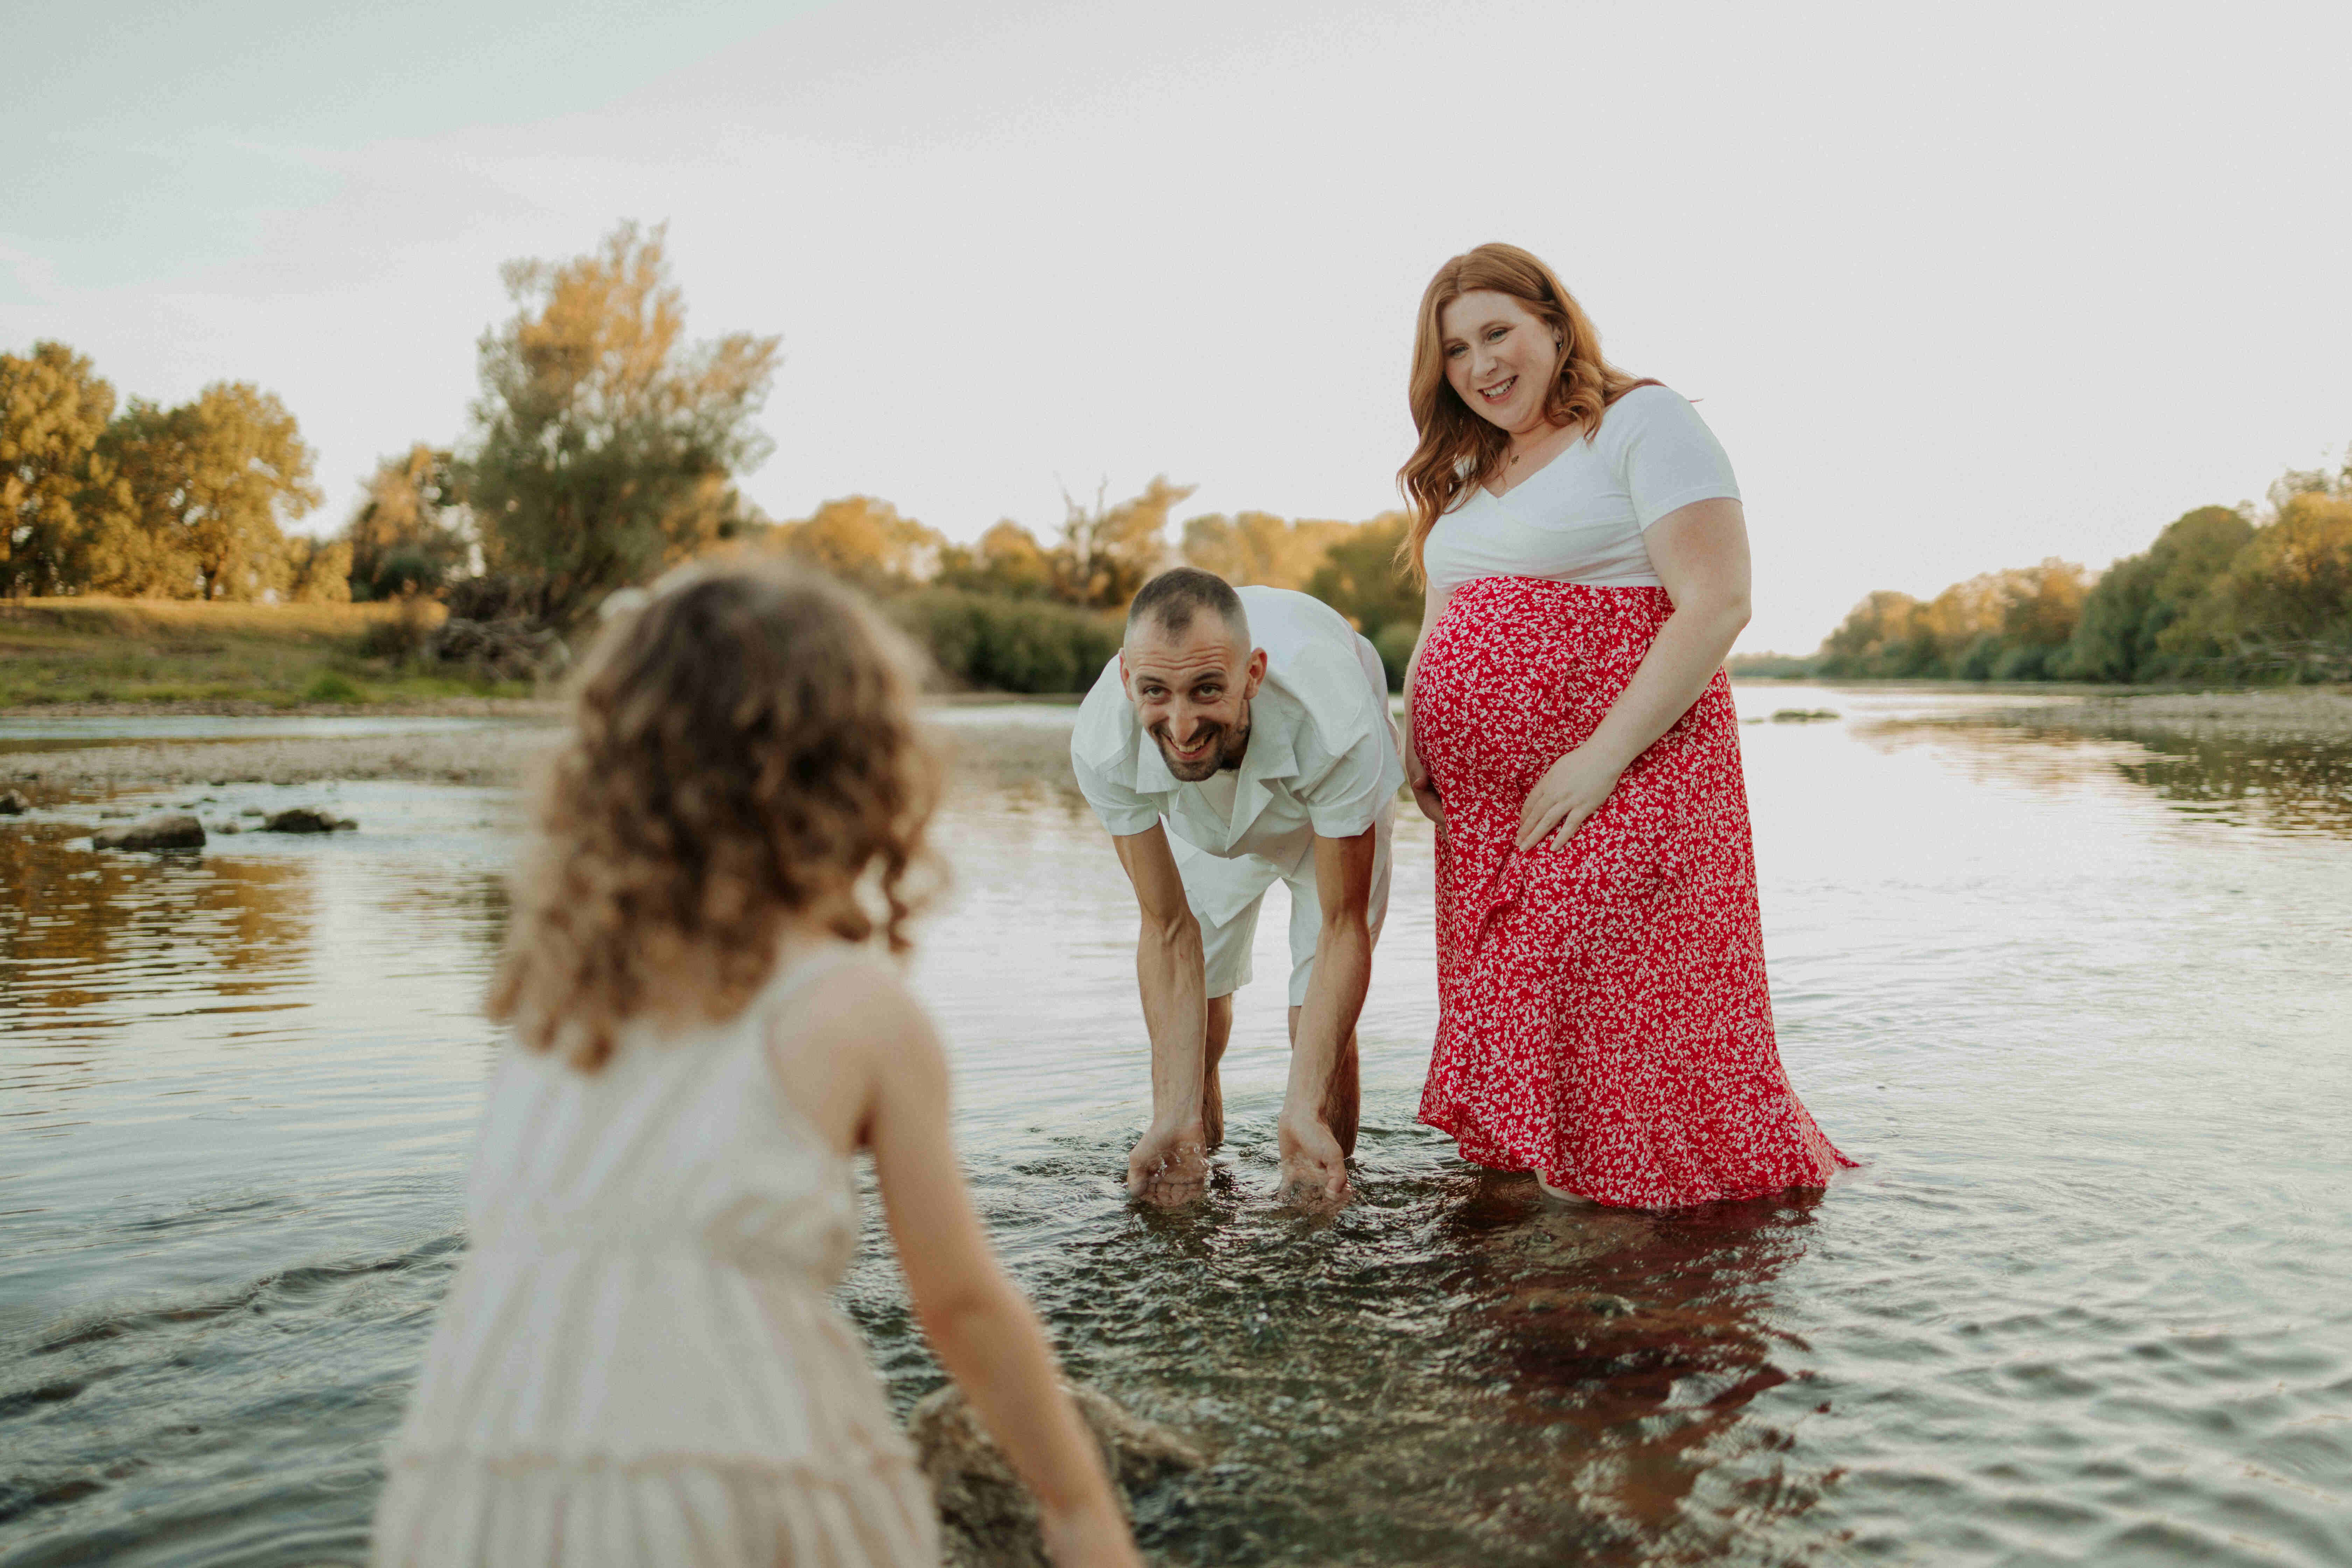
(1170, 1165)
(1314, 1170)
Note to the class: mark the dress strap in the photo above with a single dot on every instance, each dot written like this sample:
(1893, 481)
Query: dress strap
(828, 957)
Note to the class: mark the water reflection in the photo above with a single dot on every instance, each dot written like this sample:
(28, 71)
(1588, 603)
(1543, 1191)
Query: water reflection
(71, 917)
(2285, 785)
(2081, 1305)
(1449, 1369)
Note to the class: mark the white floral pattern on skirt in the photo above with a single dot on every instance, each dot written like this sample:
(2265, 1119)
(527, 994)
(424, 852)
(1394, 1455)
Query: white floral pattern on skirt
(1602, 1013)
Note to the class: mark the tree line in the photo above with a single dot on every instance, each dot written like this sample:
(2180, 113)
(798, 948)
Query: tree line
(1016, 612)
(2243, 593)
(186, 502)
(602, 446)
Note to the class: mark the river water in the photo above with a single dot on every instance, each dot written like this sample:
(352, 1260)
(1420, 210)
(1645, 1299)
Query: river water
(2081, 1005)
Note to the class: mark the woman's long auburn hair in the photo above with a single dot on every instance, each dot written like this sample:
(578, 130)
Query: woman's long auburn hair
(1459, 448)
(743, 752)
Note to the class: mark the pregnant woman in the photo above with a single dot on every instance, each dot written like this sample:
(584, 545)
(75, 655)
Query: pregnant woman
(1603, 1020)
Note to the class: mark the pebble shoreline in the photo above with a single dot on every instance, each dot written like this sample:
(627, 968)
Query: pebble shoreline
(502, 755)
(494, 757)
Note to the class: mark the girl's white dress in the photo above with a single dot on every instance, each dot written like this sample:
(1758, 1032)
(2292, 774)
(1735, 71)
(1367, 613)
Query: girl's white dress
(640, 1361)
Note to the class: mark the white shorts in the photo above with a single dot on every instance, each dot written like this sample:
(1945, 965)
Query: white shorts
(1225, 946)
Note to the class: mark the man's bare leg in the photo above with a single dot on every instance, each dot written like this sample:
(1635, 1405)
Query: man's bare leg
(1212, 1097)
(1342, 1103)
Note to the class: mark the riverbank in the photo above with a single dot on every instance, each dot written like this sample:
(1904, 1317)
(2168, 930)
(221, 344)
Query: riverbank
(2311, 714)
(52, 768)
(982, 748)
(61, 656)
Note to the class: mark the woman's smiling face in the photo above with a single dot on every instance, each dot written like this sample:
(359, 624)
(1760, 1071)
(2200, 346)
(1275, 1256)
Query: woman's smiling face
(1500, 357)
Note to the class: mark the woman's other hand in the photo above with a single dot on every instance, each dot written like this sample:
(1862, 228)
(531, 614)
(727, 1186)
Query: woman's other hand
(1417, 778)
(1571, 789)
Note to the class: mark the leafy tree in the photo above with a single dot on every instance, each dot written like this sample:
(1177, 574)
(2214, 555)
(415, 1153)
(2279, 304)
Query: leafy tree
(1108, 552)
(53, 410)
(604, 444)
(2287, 597)
(1259, 547)
(2129, 610)
(1883, 636)
(1007, 562)
(318, 570)
(1358, 578)
(864, 540)
(412, 533)
(2041, 607)
(209, 484)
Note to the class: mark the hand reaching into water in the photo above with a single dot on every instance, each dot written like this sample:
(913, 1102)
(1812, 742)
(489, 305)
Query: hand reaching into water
(1571, 789)
(1168, 1166)
(1314, 1168)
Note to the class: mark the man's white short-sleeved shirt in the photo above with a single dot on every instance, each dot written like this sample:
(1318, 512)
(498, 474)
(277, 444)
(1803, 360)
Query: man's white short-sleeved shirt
(1580, 517)
(1322, 758)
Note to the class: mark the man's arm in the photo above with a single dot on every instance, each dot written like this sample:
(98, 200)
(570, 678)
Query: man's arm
(1311, 1156)
(1170, 1163)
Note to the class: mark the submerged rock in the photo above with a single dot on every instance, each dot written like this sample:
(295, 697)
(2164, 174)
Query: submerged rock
(13, 803)
(987, 1518)
(171, 831)
(1803, 715)
(304, 819)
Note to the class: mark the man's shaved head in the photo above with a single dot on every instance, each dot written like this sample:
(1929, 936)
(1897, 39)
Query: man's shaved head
(1190, 670)
(1167, 604)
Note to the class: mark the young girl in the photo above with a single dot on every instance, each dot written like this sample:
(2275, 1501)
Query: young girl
(640, 1361)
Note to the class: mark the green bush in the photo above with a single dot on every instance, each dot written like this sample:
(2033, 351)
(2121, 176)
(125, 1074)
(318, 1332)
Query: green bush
(329, 687)
(992, 643)
(1393, 643)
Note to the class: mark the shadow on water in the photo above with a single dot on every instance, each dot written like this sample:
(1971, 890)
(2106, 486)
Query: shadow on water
(1450, 1368)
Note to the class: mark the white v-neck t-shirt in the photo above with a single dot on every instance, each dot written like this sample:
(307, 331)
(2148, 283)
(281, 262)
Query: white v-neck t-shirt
(1579, 519)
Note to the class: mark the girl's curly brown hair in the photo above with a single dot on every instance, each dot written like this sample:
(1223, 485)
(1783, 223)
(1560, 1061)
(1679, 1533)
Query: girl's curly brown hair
(743, 753)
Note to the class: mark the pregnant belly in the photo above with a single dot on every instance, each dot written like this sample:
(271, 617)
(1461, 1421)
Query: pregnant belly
(1517, 673)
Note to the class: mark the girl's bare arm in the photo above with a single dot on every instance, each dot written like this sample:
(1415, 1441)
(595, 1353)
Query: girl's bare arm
(979, 1324)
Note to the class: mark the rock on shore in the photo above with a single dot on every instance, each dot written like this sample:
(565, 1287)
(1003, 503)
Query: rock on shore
(304, 819)
(171, 830)
(987, 1518)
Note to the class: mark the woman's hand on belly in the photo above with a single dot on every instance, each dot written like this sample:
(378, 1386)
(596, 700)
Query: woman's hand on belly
(1571, 790)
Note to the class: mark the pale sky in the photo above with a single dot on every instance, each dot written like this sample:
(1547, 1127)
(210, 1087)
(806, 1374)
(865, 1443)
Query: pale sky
(1958, 287)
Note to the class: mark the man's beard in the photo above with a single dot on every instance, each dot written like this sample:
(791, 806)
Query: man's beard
(1223, 757)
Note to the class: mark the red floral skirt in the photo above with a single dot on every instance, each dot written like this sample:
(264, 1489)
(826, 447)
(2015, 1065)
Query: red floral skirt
(1602, 1013)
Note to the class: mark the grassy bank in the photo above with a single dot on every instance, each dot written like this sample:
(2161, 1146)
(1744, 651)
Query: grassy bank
(99, 650)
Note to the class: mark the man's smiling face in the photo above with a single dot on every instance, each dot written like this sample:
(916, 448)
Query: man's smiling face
(1191, 691)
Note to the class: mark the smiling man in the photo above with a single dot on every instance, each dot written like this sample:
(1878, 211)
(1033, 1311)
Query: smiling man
(1242, 739)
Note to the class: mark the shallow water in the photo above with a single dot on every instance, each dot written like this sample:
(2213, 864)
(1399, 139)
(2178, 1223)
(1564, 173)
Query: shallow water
(2079, 1003)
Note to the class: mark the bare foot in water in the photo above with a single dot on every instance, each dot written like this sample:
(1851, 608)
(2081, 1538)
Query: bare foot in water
(1314, 1168)
(1169, 1165)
